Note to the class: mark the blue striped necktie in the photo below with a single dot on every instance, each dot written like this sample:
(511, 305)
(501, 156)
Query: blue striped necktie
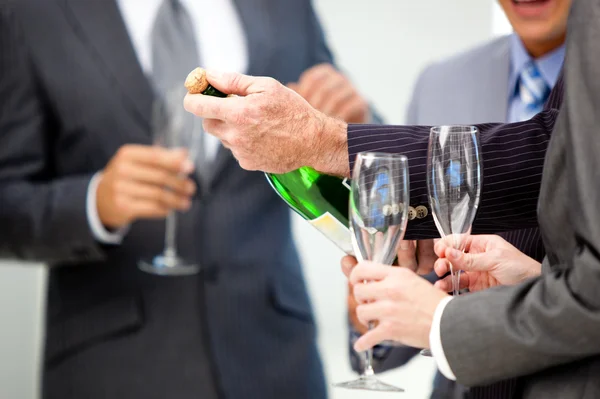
(533, 91)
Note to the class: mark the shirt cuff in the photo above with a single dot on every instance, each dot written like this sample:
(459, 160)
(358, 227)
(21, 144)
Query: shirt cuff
(100, 232)
(435, 341)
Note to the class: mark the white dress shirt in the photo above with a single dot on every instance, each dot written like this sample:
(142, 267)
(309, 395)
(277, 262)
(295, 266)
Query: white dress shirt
(435, 341)
(221, 44)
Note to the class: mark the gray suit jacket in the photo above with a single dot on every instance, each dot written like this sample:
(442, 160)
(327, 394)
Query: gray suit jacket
(547, 329)
(71, 93)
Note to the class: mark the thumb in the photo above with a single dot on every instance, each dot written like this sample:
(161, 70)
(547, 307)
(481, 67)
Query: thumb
(234, 83)
(467, 262)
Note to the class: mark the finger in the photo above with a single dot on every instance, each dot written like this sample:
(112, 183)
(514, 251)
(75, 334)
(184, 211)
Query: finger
(373, 291)
(158, 177)
(144, 209)
(325, 94)
(352, 108)
(406, 255)
(293, 85)
(236, 83)
(370, 339)
(449, 242)
(426, 256)
(147, 192)
(372, 311)
(441, 267)
(214, 125)
(348, 262)
(445, 284)
(468, 262)
(213, 107)
(311, 79)
(172, 160)
(369, 271)
(340, 101)
(352, 304)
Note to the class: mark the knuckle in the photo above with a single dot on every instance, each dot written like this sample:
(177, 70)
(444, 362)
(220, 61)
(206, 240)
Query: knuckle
(121, 169)
(235, 79)
(239, 116)
(271, 84)
(124, 151)
(234, 140)
(247, 165)
(156, 153)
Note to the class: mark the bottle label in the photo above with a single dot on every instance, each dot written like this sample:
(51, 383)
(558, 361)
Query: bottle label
(335, 231)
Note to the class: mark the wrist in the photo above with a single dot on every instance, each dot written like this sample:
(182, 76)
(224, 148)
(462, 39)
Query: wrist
(329, 154)
(535, 270)
(431, 306)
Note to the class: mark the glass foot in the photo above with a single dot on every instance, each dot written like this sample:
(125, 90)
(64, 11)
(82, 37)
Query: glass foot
(426, 352)
(368, 383)
(168, 266)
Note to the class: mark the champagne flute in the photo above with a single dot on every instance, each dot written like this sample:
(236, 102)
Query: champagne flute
(379, 203)
(172, 127)
(454, 177)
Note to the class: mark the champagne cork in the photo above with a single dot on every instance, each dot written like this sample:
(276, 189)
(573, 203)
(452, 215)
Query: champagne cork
(196, 83)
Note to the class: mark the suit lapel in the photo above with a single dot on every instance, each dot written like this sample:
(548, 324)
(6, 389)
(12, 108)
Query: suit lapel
(100, 25)
(257, 25)
(497, 94)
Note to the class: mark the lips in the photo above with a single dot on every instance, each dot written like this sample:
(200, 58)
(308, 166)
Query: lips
(529, 2)
(531, 8)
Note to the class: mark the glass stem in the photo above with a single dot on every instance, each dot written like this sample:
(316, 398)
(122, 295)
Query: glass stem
(170, 235)
(369, 360)
(455, 280)
(368, 364)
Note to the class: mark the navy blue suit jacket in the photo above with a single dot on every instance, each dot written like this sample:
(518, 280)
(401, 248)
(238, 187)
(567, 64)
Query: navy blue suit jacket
(72, 93)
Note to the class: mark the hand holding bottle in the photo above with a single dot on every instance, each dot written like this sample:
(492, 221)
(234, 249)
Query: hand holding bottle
(269, 127)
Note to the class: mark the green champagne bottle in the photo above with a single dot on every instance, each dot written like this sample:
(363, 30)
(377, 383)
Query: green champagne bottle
(319, 198)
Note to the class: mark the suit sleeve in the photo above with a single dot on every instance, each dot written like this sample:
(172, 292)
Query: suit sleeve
(553, 320)
(41, 219)
(513, 158)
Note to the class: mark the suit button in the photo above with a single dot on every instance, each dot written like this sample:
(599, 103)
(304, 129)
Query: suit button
(412, 213)
(422, 211)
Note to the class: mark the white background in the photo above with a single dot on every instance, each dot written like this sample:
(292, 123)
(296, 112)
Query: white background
(382, 45)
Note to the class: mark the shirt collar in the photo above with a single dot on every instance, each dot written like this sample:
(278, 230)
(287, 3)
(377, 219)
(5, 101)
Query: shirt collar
(549, 65)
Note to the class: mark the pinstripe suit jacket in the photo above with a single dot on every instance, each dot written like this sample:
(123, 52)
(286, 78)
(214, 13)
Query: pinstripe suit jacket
(513, 159)
(71, 93)
(545, 329)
